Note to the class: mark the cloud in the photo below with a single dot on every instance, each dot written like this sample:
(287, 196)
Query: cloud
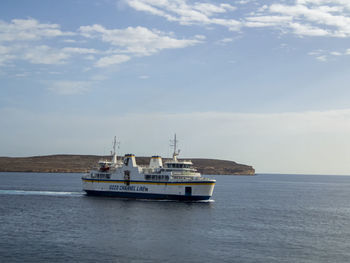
(324, 55)
(266, 21)
(307, 30)
(336, 53)
(322, 58)
(78, 50)
(29, 30)
(138, 41)
(29, 40)
(69, 87)
(5, 55)
(342, 3)
(186, 13)
(44, 55)
(135, 41)
(225, 41)
(40, 54)
(111, 60)
(313, 18)
(321, 18)
(24, 39)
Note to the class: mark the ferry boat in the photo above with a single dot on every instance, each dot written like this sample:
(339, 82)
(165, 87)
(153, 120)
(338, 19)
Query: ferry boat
(175, 180)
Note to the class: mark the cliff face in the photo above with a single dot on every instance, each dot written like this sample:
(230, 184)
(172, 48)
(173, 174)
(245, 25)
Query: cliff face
(83, 163)
(213, 166)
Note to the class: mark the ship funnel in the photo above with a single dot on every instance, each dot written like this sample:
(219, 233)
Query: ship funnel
(156, 162)
(129, 160)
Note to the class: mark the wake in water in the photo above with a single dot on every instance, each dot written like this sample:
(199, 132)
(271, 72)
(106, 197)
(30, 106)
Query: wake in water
(50, 193)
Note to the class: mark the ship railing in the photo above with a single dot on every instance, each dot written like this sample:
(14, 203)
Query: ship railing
(192, 178)
(156, 177)
(100, 175)
(186, 173)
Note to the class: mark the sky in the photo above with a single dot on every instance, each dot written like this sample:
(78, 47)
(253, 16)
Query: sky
(259, 82)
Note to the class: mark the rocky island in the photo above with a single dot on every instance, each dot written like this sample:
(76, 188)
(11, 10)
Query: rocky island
(67, 163)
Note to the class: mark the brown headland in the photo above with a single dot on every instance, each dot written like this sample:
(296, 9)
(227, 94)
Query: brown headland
(67, 163)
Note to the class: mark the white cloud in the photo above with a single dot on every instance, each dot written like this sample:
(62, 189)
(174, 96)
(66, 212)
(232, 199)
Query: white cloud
(78, 50)
(243, 2)
(29, 30)
(322, 58)
(138, 41)
(30, 40)
(336, 53)
(314, 19)
(69, 41)
(307, 30)
(321, 18)
(225, 41)
(111, 60)
(40, 54)
(266, 21)
(341, 3)
(45, 55)
(210, 9)
(69, 87)
(324, 55)
(5, 55)
(27, 39)
(187, 13)
(24, 39)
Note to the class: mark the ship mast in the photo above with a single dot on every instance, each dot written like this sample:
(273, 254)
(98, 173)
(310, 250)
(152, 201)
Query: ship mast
(114, 153)
(174, 144)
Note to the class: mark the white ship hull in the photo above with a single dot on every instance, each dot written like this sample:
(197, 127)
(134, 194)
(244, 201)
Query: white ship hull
(173, 190)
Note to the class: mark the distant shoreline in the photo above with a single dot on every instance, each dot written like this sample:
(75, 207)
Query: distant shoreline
(69, 163)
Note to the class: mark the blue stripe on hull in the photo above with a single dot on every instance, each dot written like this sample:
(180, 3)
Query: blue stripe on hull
(146, 196)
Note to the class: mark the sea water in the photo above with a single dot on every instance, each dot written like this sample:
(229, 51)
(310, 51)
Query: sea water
(263, 218)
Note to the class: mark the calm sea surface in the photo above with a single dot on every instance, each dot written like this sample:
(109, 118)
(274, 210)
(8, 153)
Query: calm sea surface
(265, 218)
